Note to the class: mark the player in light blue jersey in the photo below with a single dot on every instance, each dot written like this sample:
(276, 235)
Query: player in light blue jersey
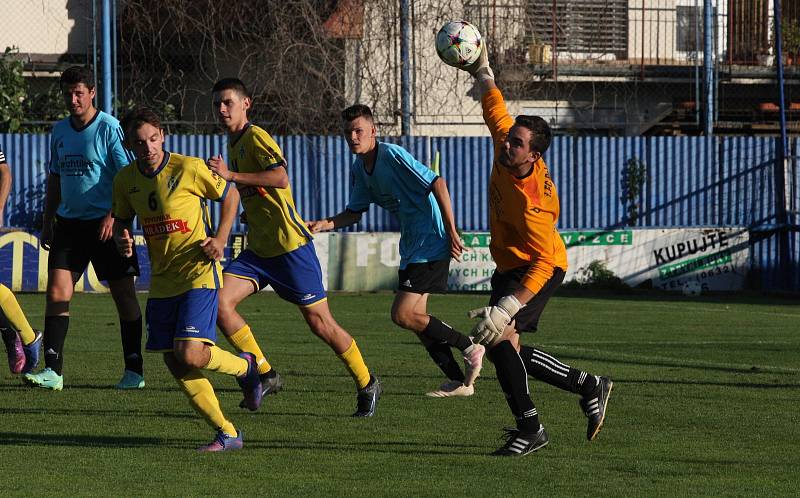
(387, 175)
(86, 151)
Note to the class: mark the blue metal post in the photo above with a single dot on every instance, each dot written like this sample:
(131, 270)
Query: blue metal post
(708, 64)
(781, 212)
(405, 68)
(114, 37)
(106, 56)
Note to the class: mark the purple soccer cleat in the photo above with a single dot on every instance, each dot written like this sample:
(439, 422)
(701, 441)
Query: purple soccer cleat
(251, 383)
(223, 442)
(16, 355)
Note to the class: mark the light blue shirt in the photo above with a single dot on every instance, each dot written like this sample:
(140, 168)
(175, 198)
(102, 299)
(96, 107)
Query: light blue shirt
(402, 185)
(86, 160)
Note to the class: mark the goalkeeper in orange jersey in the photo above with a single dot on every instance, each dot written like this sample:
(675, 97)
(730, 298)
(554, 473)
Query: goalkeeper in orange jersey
(531, 262)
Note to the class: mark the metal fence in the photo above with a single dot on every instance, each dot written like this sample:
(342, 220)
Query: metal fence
(602, 67)
(679, 187)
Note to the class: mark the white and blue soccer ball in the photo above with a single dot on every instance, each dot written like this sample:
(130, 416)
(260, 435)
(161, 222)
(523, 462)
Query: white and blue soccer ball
(692, 289)
(459, 43)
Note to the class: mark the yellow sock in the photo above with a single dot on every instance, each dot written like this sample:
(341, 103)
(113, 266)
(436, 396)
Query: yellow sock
(227, 363)
(202, 398)
(244, 341)
(355, 365)
(15, 316)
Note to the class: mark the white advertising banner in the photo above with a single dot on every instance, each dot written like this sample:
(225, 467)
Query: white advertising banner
(669, 259)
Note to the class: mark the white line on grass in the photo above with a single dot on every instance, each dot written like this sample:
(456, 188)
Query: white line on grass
(677, 362)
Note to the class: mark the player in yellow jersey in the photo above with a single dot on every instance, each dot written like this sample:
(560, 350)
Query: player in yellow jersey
(21, 341)
(168, 193)
(531, 263)
(279, 251)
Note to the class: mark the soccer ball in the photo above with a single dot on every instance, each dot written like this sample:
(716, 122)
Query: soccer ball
(692, 289)
(458, 43)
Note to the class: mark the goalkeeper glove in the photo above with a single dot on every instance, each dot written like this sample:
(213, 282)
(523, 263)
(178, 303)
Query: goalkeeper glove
(493, 320)
(480, 68)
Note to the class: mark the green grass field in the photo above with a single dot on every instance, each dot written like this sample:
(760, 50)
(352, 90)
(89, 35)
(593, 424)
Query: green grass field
(704, 404)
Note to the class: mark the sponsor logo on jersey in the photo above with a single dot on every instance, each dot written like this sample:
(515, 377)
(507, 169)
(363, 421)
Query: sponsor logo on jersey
(156, 226)
(133, 190)
(74, 165)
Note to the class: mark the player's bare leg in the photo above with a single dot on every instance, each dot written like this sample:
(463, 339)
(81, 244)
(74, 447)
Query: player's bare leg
(409, 311)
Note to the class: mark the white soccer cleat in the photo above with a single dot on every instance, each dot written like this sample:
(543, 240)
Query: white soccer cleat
(473, 362)
(452, 388)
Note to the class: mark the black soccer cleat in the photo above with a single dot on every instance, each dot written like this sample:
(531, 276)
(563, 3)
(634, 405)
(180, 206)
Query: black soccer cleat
(594, 406)
(271, 383)
(368, 398)
(520, 443)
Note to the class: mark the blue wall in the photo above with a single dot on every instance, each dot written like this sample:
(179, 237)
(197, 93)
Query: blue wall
(737, 189)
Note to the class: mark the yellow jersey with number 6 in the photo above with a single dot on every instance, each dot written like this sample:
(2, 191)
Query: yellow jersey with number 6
(172, 210)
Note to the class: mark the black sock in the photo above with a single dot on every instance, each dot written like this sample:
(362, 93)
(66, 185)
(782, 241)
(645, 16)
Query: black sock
(131, 333)
(442, 355)
(547, 368)
(441, 332)
(514, 382)
(55, 332)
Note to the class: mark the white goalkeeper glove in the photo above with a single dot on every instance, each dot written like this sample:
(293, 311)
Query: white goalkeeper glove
(480, 68)
(493, 320)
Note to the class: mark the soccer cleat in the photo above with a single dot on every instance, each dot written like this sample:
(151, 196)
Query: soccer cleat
(16, 357)
(31, 352)
(130, 380)
(271, 383)
(250, 383)
(473, 362)
(520, 443)
(368, 398)
(452, 388)
(47, 379)
(594, 406)
(223, 442)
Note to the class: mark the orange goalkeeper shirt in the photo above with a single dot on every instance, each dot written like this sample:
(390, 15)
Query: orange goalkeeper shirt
(522, 212)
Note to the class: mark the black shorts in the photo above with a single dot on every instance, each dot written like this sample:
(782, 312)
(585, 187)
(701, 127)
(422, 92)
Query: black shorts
(424, 278)
(506, 283)
(75, 244)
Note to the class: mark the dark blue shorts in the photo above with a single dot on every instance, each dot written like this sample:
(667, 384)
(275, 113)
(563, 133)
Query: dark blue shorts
(191, 316)
(296, 276)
